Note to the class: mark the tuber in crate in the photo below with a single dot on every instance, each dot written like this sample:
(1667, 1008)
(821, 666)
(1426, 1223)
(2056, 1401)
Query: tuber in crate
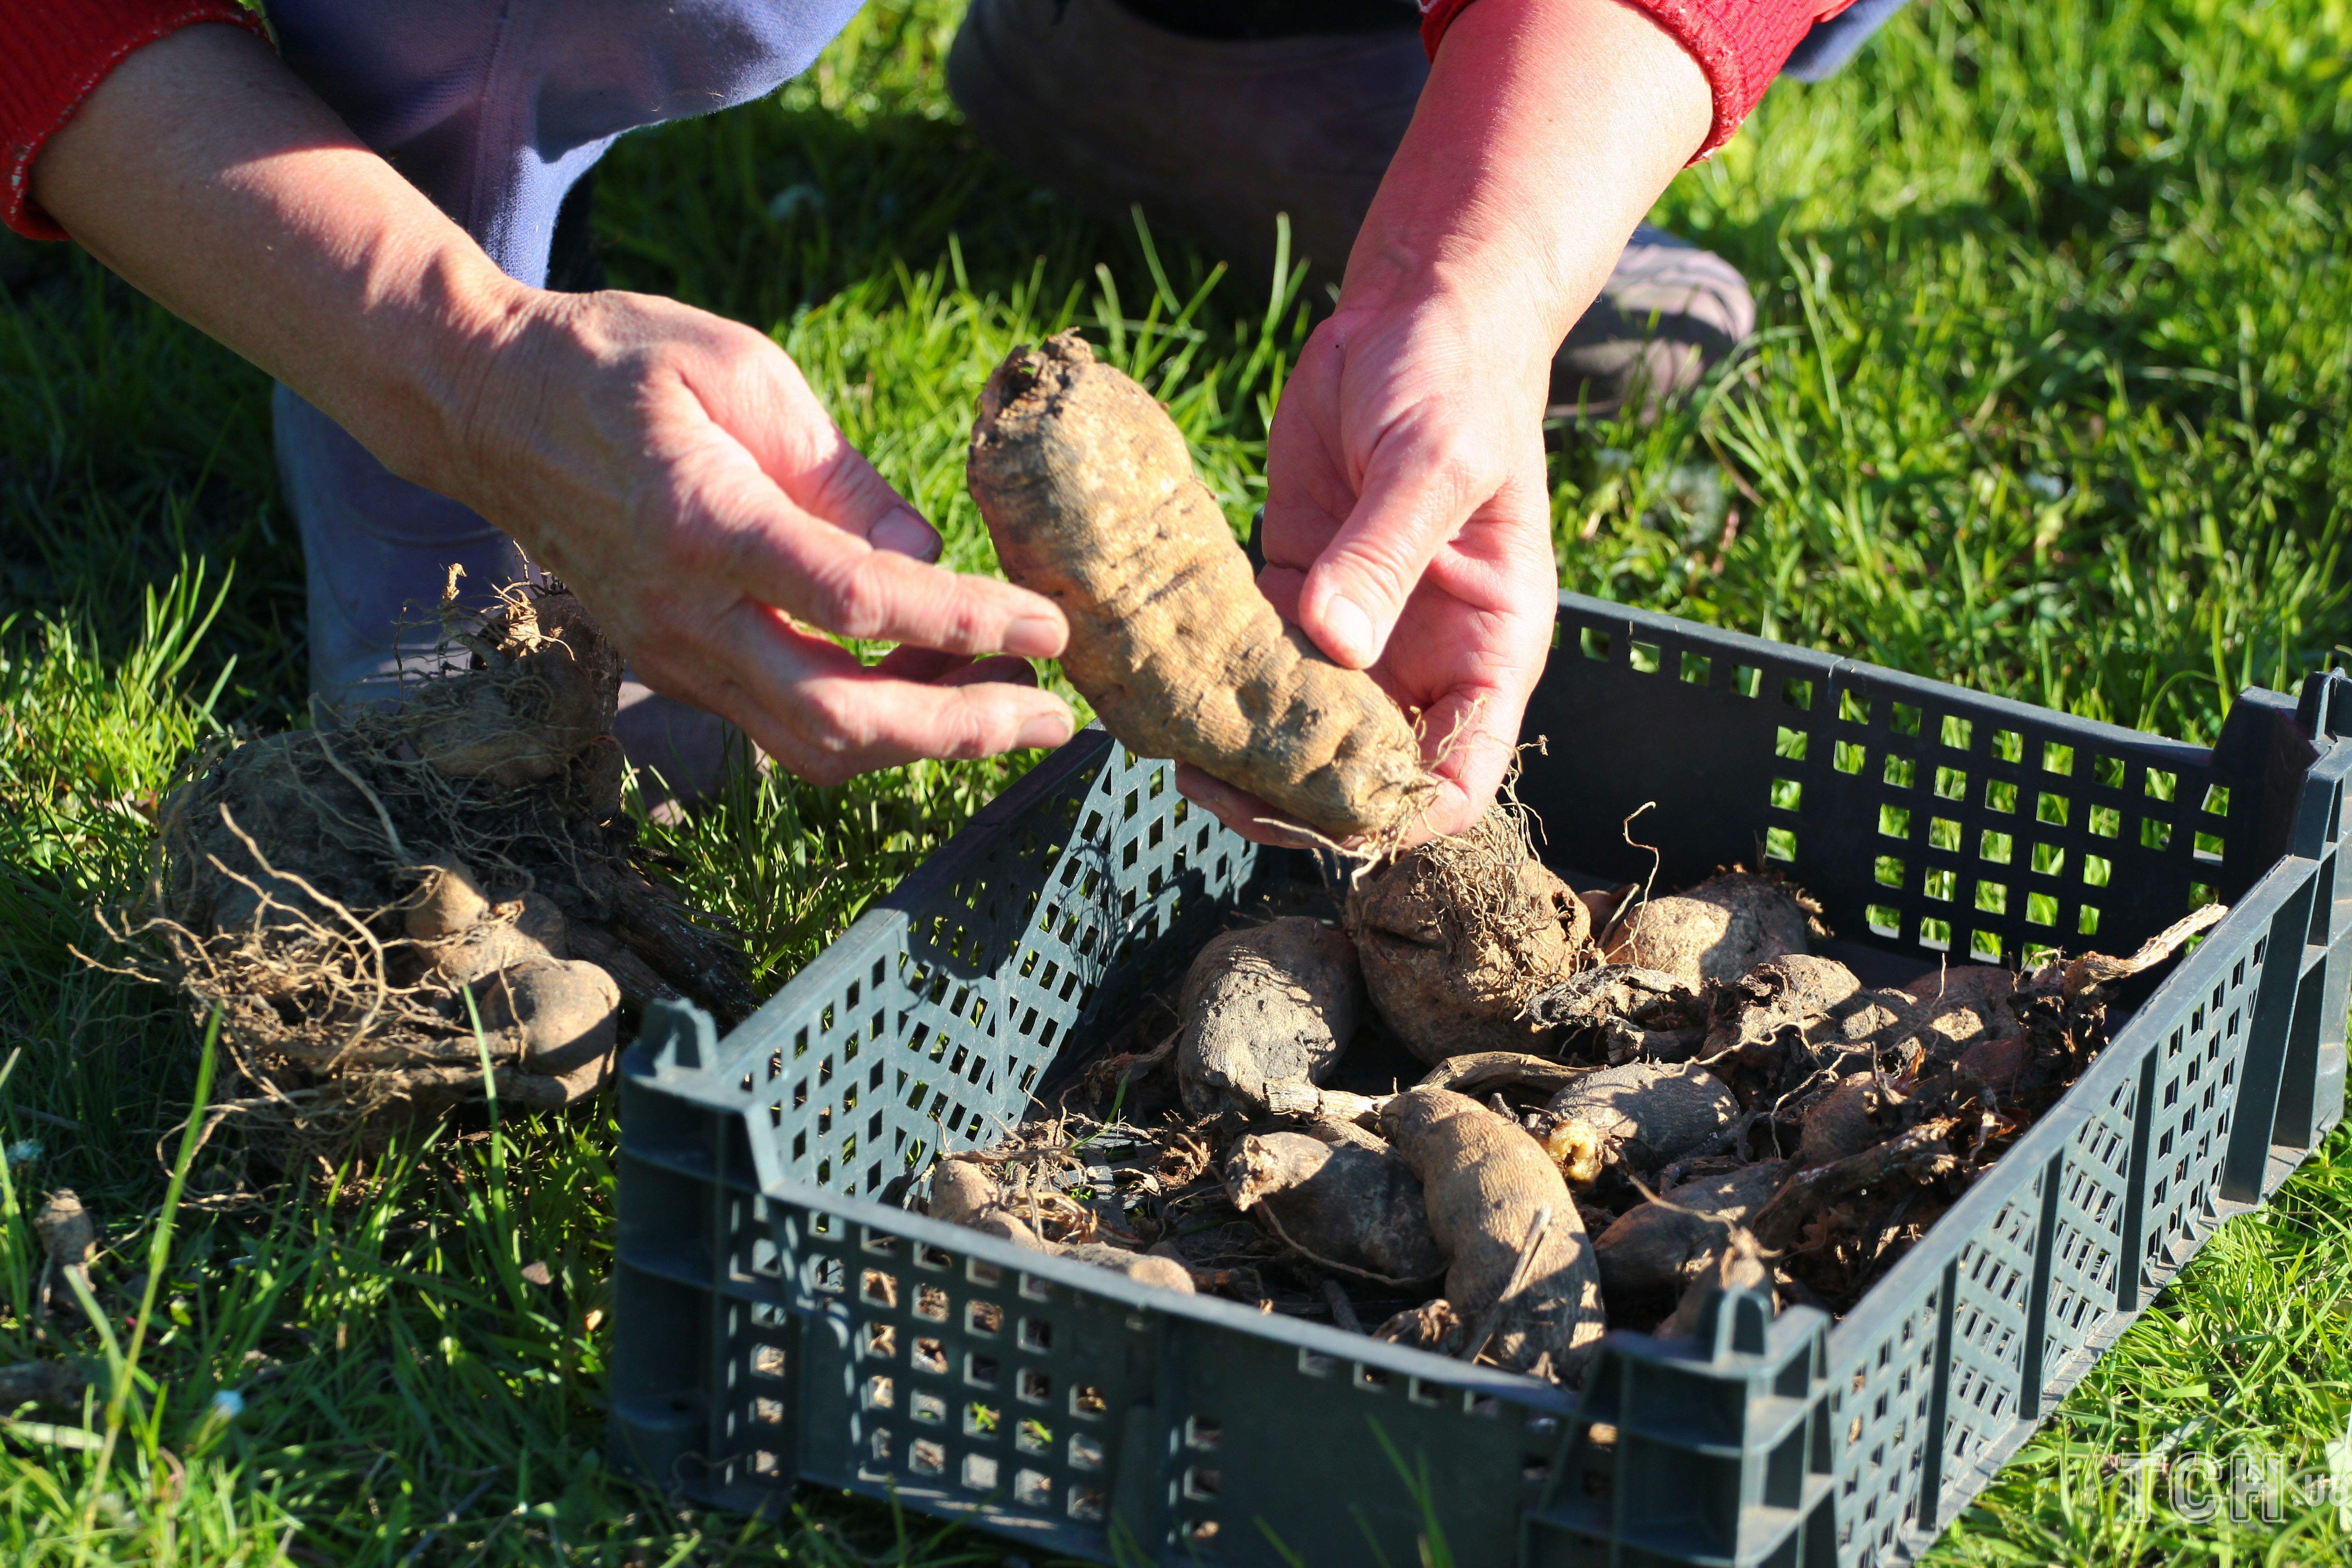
(780, 1321)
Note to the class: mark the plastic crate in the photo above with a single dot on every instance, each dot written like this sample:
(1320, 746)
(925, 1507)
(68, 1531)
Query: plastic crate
(778, 1322)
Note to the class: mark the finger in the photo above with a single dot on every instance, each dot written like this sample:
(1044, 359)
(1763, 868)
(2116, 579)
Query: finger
(761, 399)
(907, 662)
(827, 717)
(1411, 502)
(847, 491)
(1004, 669)
(904, 533)
(1281, 586)
(1468, 740)
(766, 545)
(936, 668)
(868, 722)
(774, 499)
(1309, 488)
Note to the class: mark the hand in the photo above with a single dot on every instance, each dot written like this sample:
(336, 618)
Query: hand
(1408, 527)
(1408, 521)
(678, 473)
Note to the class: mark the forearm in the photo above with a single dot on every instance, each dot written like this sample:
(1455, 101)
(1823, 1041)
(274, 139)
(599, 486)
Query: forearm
(1547, 128)
(207, 175)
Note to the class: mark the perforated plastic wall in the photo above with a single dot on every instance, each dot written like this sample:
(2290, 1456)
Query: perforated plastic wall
(1931, 821)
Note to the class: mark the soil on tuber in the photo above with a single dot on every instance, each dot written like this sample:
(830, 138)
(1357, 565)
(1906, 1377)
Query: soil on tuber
(1267, 1013)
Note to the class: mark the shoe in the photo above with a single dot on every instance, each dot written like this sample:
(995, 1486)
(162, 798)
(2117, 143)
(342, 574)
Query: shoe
(1669, 313)
(1210, 137)
(1213, 135)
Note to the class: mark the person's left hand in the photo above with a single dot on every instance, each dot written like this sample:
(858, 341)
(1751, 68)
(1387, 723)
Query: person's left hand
(1408, 530)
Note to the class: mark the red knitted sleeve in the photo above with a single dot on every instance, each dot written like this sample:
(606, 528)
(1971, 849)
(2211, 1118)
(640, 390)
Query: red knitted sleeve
(52, 54)
(1739, 44)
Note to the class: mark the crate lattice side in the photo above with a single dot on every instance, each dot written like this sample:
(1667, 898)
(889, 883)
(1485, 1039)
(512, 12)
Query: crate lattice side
(1932, 823)
(2128, 1186)
(1884, 1399)
(937, 1035)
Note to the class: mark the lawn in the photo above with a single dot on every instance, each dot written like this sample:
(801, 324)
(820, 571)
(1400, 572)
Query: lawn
(2051, 400)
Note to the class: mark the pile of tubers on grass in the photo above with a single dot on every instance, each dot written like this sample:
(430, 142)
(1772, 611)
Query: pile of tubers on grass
(387, 906)
(1626, 1104)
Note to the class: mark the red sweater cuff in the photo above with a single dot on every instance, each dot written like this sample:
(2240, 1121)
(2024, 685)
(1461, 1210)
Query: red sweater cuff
(1741, 45)
(53, 53)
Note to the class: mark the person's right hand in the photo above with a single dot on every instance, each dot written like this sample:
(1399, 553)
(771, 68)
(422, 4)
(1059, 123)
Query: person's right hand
(676, 471)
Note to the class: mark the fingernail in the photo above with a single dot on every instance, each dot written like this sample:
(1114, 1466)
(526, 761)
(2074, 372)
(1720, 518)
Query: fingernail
(1046, 730)
(1033, 636)
(904, 533)
(1349, 628)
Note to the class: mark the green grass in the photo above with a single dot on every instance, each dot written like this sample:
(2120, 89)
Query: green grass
(2051, 401)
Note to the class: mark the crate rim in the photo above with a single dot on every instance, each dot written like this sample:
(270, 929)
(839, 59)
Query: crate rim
(2146, 742)
(852, 952)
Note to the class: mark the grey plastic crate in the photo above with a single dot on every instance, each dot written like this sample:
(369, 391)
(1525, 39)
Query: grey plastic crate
(777, 1322)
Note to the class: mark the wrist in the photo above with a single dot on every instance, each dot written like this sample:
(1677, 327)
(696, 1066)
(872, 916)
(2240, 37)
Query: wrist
(1547, 128)
(1461, 322)
(433, 359)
